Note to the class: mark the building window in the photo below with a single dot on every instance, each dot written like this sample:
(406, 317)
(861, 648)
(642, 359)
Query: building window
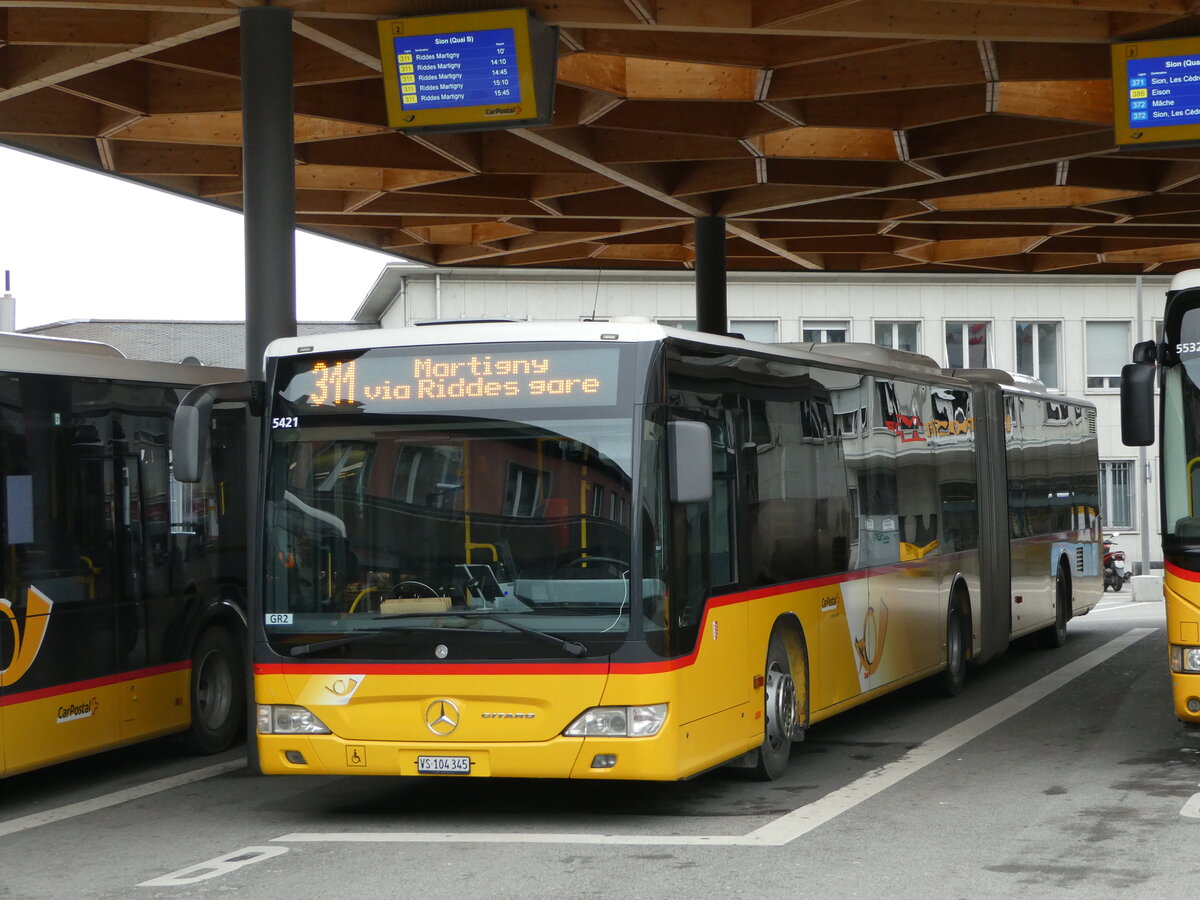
(686, 324)
(525, 491)
(765, 331)
(826, 332)
(967, 345)
(1037, 351)
(1116, 494)
(1108, 348)
(897, 335)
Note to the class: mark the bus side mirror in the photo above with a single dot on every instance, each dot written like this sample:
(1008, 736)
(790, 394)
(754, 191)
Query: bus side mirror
(689, 451)
(1137, 397)
(193, 419)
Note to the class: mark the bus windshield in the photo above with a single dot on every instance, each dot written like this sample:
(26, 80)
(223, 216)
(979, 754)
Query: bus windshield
(392, 533)
(1181, 432)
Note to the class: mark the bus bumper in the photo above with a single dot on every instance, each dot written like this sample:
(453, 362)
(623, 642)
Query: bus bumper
(1186, 691)
(653, 759)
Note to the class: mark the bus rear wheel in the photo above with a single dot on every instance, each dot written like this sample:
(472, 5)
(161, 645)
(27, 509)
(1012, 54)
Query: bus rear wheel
(950, 682)
(217, 693)
(782, 709)
(1055, 635)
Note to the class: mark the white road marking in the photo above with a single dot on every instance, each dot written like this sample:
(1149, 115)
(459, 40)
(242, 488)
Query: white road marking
(1147, 606)
(83, 807)
(220, 865)
(1191, 809)
(800, 821)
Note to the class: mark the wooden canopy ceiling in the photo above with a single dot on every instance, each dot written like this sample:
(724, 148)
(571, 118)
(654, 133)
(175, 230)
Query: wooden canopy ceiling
(838, 135)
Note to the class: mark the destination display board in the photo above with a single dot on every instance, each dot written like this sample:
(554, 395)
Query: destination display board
(394, 381)
(469, 71)
(1156, 92)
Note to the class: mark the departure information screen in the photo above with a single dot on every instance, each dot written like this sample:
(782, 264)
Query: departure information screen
(408, 380)
(1164, 91)
(1156, 92)
(465, 68)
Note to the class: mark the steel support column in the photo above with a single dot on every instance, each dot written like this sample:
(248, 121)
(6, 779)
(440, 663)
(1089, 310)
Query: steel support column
(269, 207)
(712, 315)
(268, 179)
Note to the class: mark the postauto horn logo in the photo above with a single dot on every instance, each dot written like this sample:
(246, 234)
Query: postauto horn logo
(27, 645)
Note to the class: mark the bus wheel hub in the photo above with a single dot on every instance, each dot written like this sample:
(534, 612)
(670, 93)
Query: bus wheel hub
(781, 705)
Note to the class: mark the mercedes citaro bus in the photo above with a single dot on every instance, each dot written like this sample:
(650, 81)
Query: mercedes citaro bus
(1176, 358)
(619, 550)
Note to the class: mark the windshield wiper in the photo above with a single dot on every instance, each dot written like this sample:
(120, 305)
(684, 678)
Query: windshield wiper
(574, 648)
(306, 649)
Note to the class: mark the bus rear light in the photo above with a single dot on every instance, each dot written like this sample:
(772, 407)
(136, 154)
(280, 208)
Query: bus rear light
(1185, 659)
(619, 721)
(289, 720)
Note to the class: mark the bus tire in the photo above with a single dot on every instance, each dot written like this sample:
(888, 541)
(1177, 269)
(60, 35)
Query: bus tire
(1054, 636)
(217, 693)
(958, 630)
(781, 710)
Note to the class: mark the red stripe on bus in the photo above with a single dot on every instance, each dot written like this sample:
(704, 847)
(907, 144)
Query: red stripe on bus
(1185, 574)
(92, 683)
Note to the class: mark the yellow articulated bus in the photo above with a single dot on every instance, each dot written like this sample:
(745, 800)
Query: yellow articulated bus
(122, 613)
(1178, 365)
(619, 550)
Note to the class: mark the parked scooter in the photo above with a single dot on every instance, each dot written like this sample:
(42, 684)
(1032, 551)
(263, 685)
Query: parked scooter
(1115, 571)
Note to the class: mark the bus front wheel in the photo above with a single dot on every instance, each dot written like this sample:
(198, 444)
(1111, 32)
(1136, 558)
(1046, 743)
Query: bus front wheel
(782, 709)
(217, 692)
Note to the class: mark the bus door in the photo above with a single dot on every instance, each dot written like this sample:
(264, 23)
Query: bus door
(998, 435)
(704, 566)
(128, 587)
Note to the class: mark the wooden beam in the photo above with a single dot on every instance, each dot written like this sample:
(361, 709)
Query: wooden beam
(468, 233)
(81, 27)
(352, 101)
(612, 146)
(811, 142)
(1077, 101)
(638, 78)
(1155, 254)
(357, 41)
(123, 86)
(50, 112)
(138, 158)
(315, 63)
(31, 68)
(387, 151)
(934, 20)
(1056, 61)
(217, 54)
(715, 119)
(942, 64)
(1050, 196)
(183, 91)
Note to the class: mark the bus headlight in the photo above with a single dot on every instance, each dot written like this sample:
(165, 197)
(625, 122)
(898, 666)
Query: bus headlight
(1185, 659)
(619, 721)
(289, 720)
